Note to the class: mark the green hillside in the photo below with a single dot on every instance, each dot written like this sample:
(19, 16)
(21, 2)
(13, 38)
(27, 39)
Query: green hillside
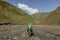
(40, 17)
(12, 14)
(53, 18)
(48, 18)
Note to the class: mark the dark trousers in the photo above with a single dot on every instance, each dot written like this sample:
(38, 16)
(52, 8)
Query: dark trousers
(30, 32)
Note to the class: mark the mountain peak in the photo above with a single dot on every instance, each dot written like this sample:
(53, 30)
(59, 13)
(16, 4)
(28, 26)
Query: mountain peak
(58, 7)
(57, 10)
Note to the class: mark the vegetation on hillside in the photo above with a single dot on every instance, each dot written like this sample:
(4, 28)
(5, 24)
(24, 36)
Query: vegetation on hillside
(38, 17)
(53, 18)
(10, 13)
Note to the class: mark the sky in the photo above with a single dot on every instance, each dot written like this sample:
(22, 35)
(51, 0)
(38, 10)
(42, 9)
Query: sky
(35, 6)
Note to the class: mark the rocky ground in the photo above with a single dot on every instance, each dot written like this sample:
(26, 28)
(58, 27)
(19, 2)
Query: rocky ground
(18, 32)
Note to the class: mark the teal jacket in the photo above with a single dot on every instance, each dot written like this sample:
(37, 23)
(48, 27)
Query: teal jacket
(29, 25)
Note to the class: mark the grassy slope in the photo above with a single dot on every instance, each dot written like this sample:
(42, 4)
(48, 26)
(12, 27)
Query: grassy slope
(40, 17)
(10, 13)
(53, 18)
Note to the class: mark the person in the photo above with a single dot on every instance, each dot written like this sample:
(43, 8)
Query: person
(29, 30)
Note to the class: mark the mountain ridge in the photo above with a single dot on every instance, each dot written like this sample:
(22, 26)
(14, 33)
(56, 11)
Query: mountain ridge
(53, 18)
(13, 14)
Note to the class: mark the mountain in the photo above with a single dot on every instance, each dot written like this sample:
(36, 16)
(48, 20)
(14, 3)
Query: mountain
(12, 14)
(38, 17)
(53, 18)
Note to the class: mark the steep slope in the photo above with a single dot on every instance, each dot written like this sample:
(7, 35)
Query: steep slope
(53, 18)
(10, 13)
(40, 17)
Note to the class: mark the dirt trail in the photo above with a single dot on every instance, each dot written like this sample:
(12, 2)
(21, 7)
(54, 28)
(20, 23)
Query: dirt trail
(18, 32)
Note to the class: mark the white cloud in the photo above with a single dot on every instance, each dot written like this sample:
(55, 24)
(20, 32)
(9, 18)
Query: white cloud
(27, 8)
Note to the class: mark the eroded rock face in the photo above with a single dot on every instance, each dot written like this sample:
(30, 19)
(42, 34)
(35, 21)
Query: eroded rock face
(17, 32)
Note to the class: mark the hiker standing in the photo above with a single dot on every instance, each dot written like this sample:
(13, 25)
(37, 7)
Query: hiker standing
(29, 30)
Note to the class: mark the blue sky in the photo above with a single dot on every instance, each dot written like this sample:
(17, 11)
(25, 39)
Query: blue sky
(40, 5)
